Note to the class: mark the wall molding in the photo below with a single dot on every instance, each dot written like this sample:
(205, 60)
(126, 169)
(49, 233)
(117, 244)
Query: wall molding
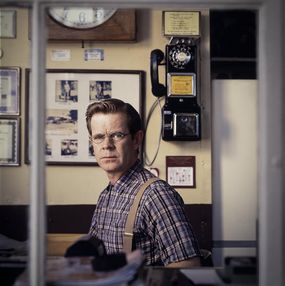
(77, 219)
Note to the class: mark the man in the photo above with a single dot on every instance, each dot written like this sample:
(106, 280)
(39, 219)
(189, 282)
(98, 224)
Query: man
(161, 229)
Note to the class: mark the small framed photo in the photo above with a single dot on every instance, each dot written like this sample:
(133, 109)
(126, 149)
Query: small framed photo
(9, 91)
(9, 142)
(8, 23)
(68, 93)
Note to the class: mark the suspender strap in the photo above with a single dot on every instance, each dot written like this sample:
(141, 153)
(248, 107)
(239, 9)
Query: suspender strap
(128, 234)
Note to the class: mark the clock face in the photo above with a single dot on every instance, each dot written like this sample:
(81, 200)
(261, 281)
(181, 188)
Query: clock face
(81, 18)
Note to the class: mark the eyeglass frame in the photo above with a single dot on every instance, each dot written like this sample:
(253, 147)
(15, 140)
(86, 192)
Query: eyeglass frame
(111, 137)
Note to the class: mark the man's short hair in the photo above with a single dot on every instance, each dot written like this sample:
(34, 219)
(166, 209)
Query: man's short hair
(113, 105)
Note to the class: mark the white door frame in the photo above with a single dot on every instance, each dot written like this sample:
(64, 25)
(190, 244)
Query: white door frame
(271, 127)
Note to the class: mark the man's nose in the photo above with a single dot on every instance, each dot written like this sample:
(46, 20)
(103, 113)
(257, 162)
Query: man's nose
(108, 142)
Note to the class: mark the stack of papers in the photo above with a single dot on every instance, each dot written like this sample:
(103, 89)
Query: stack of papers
(71, 271)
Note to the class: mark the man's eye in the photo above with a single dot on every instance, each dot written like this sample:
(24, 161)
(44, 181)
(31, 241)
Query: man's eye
(117, 135)
(98, 137)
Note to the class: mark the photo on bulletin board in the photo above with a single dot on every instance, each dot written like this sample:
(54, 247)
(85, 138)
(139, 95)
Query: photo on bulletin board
(68, 93)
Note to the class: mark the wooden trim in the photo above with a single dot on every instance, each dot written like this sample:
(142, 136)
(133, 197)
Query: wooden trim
(57, 243)
(75, 220)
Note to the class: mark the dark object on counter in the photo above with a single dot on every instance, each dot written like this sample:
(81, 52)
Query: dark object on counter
(10, 269)
(109, 262)
(87, 245)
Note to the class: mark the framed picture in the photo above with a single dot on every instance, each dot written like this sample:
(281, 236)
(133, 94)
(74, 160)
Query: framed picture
(181, 171)
(181, 23)
(68, 93)
(9, 90)
(8, 23)
(9, 142)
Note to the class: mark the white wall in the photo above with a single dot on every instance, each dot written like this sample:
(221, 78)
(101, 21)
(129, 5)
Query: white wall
(234, 155)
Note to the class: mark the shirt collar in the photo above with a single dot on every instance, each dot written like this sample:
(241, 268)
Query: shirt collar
(123, 182)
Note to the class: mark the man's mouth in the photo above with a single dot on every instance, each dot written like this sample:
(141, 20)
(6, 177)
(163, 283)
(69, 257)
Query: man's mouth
(108, 157)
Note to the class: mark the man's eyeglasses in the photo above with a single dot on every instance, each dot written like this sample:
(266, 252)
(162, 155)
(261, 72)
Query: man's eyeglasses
(115, 137)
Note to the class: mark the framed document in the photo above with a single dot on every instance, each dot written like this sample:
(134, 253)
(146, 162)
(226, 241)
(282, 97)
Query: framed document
(68, 93)
(180, 171)
(8, 23)
(181, 23)
(9, 91)
(9, 142)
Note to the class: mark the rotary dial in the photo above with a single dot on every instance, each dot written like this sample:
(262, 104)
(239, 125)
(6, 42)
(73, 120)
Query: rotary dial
(180, 55)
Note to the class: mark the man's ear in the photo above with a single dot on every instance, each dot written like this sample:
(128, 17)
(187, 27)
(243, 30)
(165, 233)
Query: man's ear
(138, 138)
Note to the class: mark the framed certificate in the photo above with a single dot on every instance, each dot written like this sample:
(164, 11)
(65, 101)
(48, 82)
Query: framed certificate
(9, 91)
(181, 23)
(9, 142)
(8, 23)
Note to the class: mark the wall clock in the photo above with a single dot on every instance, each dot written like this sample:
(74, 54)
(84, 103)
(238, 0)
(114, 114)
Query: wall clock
(91, 24)
(81, 18)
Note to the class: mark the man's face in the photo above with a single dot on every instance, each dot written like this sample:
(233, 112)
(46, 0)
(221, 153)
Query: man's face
(114, 157)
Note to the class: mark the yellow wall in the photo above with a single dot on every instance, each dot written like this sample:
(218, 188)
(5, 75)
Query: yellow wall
(82, 185)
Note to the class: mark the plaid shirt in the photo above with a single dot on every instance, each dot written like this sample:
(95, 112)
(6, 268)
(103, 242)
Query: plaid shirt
(162, 230)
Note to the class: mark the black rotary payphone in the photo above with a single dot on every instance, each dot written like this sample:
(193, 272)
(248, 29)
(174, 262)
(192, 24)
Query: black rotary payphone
(181, 112)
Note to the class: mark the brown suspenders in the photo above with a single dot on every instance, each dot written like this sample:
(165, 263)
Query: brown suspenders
(128, 234)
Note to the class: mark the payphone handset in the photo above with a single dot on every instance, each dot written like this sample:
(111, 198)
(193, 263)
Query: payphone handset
(156, 58)
(181, 112)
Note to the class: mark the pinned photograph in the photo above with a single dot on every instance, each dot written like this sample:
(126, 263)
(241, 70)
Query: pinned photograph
(66, 90)
(99, 90)
(61, 121)
(69, 147)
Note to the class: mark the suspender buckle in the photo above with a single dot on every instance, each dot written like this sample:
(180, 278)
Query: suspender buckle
(129, 234)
